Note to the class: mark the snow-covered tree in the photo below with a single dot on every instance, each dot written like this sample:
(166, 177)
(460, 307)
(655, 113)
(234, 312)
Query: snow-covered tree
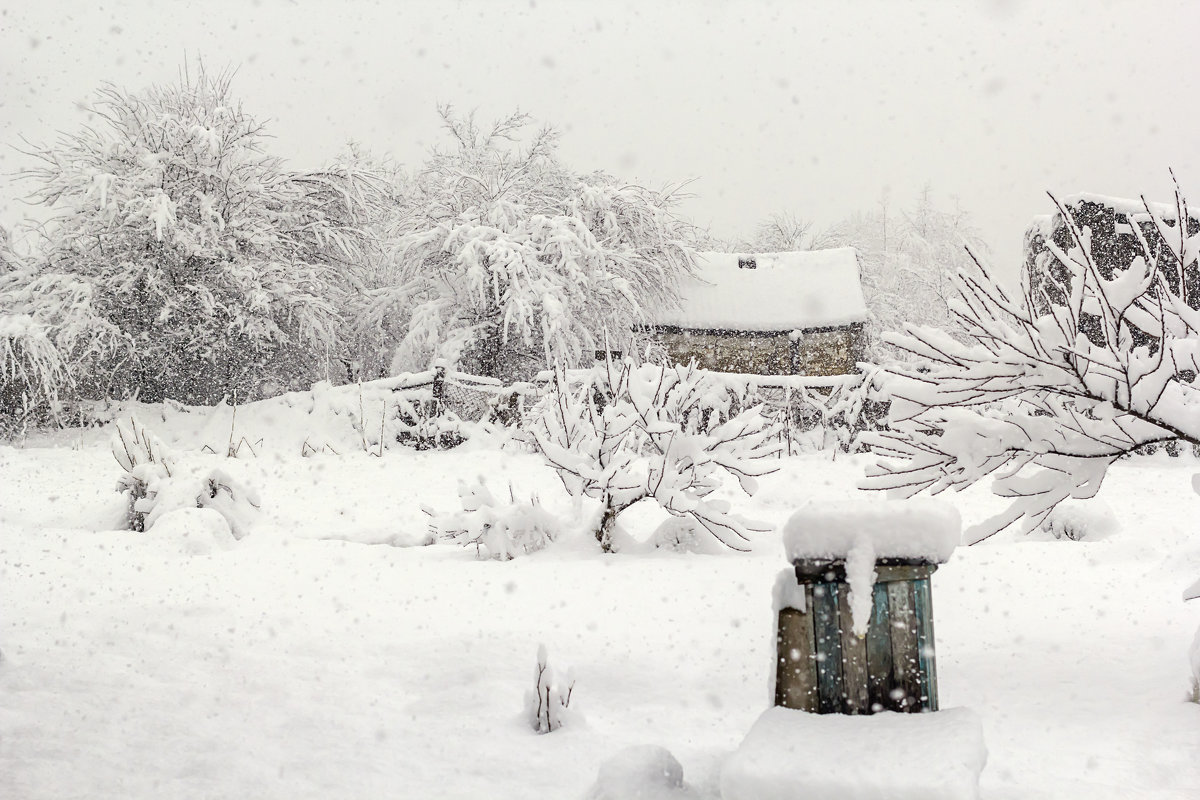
(780, 233)
(373, 329)
(508, 262)
(908, 260)
(665, 433)
(1051, 387)
(183, 260)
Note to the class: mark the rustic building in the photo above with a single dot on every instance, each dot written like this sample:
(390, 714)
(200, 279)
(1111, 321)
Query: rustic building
(769, 314)
(1109, 222)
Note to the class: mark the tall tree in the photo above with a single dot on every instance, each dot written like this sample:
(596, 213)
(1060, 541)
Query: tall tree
(908, 259)
(508, 261)
(207, 267)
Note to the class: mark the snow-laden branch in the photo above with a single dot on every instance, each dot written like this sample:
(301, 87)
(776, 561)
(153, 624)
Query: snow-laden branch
(1092, 362)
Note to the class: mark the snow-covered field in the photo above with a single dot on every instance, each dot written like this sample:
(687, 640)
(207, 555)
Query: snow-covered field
(314, 659)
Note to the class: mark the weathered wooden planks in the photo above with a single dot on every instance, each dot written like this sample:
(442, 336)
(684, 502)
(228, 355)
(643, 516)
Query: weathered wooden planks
(906, 692)
(855, 696)
(828, 629)
(927, 657)
(795, 660)
(881, 677)
(823, 667)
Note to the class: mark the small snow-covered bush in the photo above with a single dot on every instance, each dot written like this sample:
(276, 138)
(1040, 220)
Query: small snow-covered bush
(145, 460)
(654, 432)
(547, 706)
(156, 484)
(499, 530)
(1080, 520)
(683, 535)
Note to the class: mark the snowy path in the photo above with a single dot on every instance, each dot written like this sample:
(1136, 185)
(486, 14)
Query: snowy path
(291, 667)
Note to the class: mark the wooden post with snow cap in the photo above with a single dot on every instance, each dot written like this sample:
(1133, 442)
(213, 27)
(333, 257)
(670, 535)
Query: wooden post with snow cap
(855, 610)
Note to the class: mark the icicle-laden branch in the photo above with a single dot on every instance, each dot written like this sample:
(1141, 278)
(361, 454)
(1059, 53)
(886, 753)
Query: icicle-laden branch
(1043, 403)
(637, 432)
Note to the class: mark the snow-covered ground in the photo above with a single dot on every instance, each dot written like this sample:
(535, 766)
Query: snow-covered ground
(314, 659)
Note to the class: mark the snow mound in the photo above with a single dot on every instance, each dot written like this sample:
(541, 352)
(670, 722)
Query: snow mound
(192, 531)
(683, 535)
(887, 756)
(915, 529)
(1081, 521)
(641, 772)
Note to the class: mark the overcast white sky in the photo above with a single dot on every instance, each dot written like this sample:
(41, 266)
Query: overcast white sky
(807, 107)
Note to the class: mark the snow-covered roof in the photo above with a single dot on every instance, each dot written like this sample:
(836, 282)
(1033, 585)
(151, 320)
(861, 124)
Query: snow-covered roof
(783, 292)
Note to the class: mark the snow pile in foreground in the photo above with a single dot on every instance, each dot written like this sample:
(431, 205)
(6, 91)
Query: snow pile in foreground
(641, 772)
(887, 756)
(918, 529)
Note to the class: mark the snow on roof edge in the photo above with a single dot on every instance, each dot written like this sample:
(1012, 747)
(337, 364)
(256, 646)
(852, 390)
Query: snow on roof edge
(799, 290)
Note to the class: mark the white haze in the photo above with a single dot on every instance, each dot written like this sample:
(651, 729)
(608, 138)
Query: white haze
(811, 108)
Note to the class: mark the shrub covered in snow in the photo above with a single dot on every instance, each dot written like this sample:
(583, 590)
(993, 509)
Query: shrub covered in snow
(146, 460)
(499, 530)
(636, 432)
(547, 705)
(1081, 520)
(681, 535)
(156, 483)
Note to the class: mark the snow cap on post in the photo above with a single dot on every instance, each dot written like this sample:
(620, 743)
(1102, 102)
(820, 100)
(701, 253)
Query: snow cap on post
(924, 530)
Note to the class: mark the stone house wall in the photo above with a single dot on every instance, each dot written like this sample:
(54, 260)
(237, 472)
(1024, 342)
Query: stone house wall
(818, 352)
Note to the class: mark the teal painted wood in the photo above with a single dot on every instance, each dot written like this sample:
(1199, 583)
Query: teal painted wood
(880, 674)
(906, 692)
(828, 634)
(855, 694)
(923, 605)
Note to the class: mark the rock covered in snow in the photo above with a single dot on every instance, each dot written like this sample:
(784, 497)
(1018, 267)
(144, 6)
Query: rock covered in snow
(887, 756)
(928, 530)
(640, 772)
